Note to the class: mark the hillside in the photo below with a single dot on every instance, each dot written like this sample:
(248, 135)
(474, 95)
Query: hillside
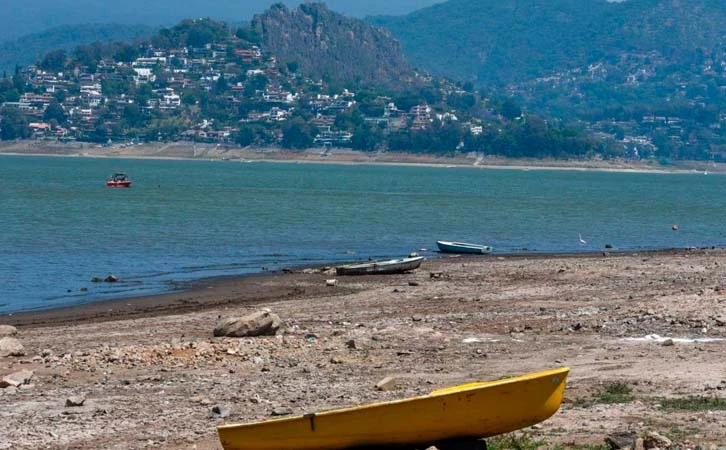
(505, 41)
(296, 79)
(649, 73)
(22, 17)
(29, 49)
(327, 45)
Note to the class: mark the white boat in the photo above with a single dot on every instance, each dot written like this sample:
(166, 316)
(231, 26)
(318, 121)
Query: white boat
(463, 247)
(381, 267)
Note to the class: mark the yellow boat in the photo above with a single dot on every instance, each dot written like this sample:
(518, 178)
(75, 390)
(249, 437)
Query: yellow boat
(468, 411)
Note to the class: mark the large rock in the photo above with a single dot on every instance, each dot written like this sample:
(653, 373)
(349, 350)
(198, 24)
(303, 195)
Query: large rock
(655, 440)
(260, 323)
(16, 379)
(11, 347)
(8, 330)
(621, 440)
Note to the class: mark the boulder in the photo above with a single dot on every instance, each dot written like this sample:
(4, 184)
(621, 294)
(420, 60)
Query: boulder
(74, 402)
(260, 323)
(16, 379)
(621, 440)
(387, 384)
(8, 330)
(221, 411)
(11, 347)
(655, 440)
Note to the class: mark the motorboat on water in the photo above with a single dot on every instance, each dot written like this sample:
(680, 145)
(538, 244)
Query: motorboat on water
(118, 179)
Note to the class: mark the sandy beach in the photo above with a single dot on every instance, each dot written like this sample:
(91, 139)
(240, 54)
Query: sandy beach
(212, 152)
(637, 329)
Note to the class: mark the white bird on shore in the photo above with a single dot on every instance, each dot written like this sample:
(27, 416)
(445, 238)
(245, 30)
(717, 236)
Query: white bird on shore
(582, 241)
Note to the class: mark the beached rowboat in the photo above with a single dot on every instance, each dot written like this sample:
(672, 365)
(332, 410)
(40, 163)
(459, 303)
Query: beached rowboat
(381, 267)
(463, 247)
(469, 411)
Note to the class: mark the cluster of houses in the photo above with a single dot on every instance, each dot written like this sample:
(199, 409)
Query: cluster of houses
(637, 132)
(247, 86)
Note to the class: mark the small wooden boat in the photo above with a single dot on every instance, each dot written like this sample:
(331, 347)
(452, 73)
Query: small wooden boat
(469, 411)
(118, 180)
(381, 267)
(463, 247)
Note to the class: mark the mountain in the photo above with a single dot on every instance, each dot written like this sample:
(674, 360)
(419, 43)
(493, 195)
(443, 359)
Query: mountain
(290, 78)
(648, 72)
(29, 49)
(21, 17)
(507, 41)
(327, 45)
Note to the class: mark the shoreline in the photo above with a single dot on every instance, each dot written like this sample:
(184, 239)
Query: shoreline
(245, 289)
(209, 152)
(651, 323)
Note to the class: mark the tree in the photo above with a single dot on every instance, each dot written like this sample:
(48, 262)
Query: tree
(54, 61)
(13, 124)
(246, 136)
(54, 111)
(221, 85)
(292, 66)
(365, 138)
(510, 110)
(297, 134)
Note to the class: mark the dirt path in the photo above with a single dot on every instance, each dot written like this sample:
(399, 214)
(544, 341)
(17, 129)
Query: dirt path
(152, 374)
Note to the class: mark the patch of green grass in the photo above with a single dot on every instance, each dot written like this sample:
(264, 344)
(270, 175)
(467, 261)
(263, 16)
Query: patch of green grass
(524, 441)
(581, 447)
(514, 441)
(615, 393)
(697, 403)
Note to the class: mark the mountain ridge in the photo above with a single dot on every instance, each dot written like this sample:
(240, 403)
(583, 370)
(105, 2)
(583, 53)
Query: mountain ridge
(330, 46)
(30, 48)
(21, 17)
(649, 73)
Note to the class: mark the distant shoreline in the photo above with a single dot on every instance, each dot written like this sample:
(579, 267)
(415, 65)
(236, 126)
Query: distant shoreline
(206, 152)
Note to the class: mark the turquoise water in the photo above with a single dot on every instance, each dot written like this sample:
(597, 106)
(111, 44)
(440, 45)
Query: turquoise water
(186, 220)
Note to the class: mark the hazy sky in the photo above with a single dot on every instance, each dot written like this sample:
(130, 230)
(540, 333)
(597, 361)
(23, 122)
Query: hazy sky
(20, 17)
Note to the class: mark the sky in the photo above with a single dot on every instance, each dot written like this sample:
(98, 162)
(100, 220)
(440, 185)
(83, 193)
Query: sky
(21, 17)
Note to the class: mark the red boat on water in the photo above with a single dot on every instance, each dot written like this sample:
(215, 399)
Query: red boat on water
(118, 180)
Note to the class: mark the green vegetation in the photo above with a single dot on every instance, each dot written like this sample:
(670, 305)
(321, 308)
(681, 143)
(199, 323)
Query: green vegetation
(29, 49)
(524, 441)
(327, 81)
(650, 74)
(694, 403)
(514, 441)
(611, 394)
(615, 393)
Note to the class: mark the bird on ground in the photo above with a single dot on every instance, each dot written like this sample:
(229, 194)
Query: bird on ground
(582, 241)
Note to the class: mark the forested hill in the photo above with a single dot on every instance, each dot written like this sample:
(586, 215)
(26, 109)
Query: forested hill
(509, 41)
(649, 73)
(330, 46)
(30, 48)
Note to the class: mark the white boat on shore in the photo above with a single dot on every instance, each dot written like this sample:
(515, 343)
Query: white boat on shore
(381, 267)
(463, 247)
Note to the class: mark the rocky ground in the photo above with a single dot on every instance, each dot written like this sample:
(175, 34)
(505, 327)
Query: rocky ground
(638, 331)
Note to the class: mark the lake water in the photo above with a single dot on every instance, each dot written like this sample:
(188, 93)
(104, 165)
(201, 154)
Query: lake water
(186, 220)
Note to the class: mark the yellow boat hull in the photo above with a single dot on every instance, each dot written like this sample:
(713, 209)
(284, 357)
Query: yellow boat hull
(474, 410)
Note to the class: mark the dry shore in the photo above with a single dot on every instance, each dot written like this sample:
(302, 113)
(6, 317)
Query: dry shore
(188, 150)
(151, 373)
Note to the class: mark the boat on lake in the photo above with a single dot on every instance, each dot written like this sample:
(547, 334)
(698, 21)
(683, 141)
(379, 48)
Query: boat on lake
(467, 412)
(118, 180)
(400, 265)
(463, 247)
